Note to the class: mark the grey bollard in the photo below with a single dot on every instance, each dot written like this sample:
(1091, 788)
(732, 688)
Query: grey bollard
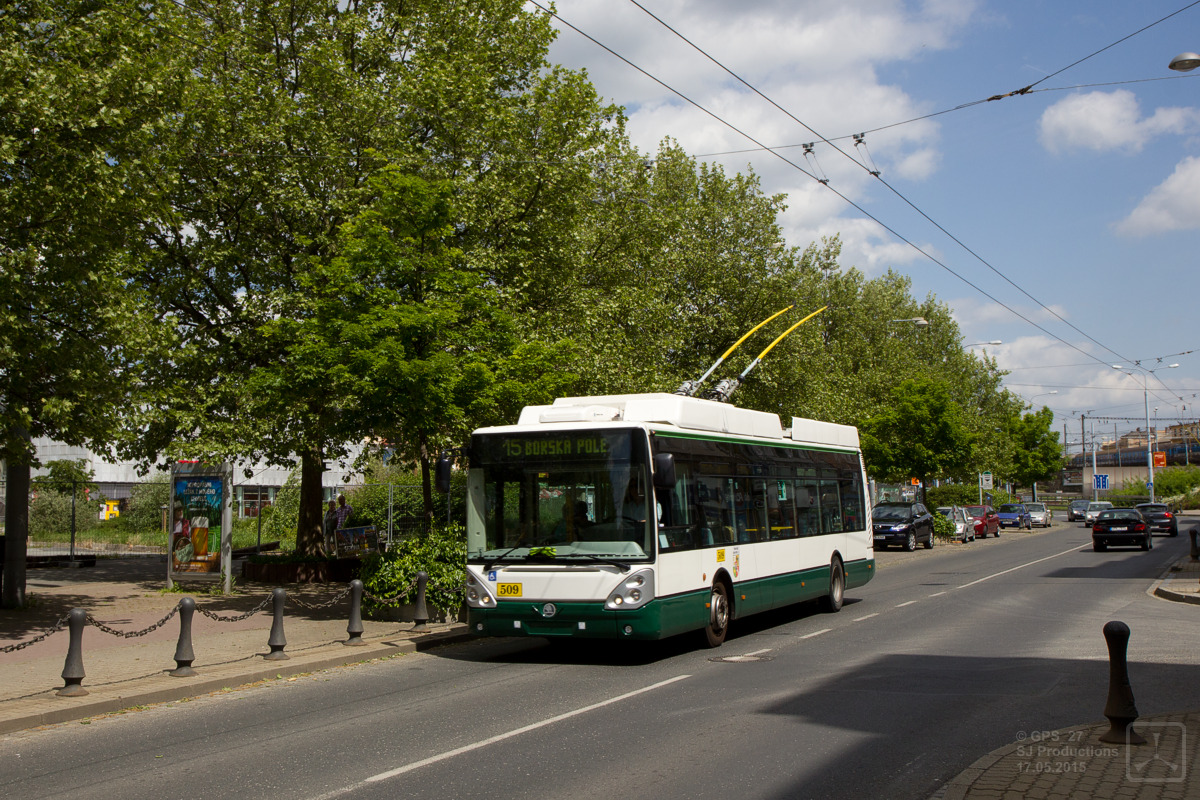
(1119, 709)
(1194, 551)
(355, 628)
(73, 668)
(277, 641)
(421, 613)
(183, 649)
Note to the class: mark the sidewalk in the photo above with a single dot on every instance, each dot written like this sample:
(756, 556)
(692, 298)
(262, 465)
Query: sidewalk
(121, 673)
(1073, 764)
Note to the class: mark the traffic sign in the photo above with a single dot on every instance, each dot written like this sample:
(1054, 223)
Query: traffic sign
(1100, 481)
(985, 480)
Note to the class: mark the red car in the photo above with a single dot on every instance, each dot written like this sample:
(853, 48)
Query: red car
(986, 521)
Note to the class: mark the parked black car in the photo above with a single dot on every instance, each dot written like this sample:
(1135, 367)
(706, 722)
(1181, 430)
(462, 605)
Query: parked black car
(1159, 518)
(1120, 526)
(904, 524)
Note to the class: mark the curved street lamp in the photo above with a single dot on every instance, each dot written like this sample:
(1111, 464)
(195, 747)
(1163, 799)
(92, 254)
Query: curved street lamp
(981, 344)
(920, 322)
(1185, 62)
(1146, 400)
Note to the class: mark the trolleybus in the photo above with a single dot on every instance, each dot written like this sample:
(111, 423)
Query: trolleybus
(645, 516)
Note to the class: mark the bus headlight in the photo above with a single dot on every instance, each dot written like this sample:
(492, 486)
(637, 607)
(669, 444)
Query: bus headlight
(477, 594)
(633, 592)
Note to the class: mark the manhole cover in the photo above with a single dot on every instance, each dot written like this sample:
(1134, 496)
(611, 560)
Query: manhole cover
(739, 659)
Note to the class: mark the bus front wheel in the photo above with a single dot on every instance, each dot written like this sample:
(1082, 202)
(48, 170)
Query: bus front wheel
(718, 615)
(837, 587)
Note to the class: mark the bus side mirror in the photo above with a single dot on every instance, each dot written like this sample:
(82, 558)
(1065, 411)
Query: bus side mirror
(441, 480)
(664, 471)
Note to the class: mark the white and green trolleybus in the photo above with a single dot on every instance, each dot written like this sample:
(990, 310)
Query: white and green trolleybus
(648, 515)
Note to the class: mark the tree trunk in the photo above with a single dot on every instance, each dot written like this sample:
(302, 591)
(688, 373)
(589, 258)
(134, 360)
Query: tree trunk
(426, 486)
(310, 535)
(16, 528)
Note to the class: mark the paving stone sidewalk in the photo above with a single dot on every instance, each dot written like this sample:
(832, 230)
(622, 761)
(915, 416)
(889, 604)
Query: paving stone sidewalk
(127, 596)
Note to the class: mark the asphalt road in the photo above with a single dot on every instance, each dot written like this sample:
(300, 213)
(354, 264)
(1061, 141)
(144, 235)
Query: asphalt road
(945, 656)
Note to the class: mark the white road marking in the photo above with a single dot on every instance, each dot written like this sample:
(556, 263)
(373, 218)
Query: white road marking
(868, 616)
(758, 652)
(937, 594)
(816, 633)
(383, 776)
(909, 603)
(1021, 566)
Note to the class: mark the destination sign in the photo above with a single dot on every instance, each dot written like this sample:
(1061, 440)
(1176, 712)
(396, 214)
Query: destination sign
(565, 446)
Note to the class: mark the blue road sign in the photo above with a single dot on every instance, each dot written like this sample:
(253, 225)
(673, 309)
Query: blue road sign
(1100, 481)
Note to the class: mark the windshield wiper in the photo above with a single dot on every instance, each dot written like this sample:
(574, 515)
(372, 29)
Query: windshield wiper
(621, 565)
(487, 565)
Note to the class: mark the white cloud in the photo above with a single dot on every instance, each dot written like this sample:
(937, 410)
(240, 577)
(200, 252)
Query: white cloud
(1170, 206)
(1102, 121)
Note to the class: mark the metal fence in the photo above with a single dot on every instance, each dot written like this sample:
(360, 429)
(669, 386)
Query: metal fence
(131, 519)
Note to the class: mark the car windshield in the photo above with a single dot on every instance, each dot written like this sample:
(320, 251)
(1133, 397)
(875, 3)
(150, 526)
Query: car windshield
(1009, 508)
(1036, 507)
(976, 511)
(891, 511)
(945, 511)
(1120, 514)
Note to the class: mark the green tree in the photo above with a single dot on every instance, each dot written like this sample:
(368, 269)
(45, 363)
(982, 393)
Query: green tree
(1036, 453)
(292, 110)
(85, 94)
(67, 477)
(920, 434)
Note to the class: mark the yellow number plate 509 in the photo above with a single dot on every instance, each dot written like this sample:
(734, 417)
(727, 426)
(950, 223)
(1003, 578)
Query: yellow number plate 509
(508, 590)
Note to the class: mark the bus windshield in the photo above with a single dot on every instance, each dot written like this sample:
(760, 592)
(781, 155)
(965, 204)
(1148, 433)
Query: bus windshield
(581, 496)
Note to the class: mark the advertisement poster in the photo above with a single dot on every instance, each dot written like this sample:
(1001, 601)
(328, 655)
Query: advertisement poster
(196, 525)
(198, 532)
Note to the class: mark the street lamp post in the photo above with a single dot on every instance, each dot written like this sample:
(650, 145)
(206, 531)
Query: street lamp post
(981, 344)
(1146, 402)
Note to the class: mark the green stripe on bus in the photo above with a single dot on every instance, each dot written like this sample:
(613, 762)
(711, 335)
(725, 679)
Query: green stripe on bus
(663, 616)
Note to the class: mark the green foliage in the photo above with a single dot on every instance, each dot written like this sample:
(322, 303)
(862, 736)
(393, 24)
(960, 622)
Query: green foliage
(370, 500)
(1036, 454)
(1169, 482)
(279, 520)
(50, 516)
(67, 476)
(442, 555)
(919, 434)
(143, 512)
(943, 528)
(952, 494)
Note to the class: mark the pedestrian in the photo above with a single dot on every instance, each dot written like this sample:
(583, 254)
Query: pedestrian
(331, 525)
(344, 511)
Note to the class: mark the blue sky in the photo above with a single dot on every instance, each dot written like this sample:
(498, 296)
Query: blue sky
(1083, 195)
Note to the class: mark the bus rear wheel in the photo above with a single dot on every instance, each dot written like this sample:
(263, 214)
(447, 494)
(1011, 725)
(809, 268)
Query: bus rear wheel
(718, 615)
(832, 602)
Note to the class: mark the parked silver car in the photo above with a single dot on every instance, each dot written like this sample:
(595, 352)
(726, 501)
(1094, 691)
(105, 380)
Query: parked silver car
(1093, 510)
(1039, 515)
